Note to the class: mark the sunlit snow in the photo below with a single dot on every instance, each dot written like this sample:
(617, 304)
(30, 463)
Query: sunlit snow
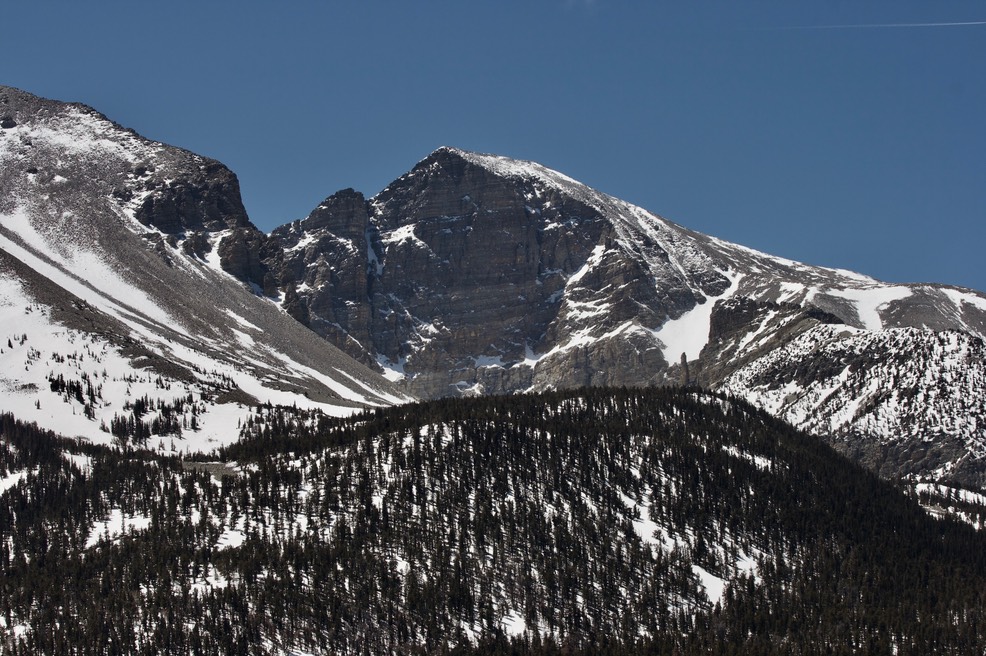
(116, 524)
(689, 333)
(713, 585)
(870, 300)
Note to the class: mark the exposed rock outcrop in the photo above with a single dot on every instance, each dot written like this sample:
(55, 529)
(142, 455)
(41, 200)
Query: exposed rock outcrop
(475, 273)
(479, 274)
(207, 199)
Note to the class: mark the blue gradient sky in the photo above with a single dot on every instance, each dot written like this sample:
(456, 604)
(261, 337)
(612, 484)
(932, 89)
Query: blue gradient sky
(846, 134)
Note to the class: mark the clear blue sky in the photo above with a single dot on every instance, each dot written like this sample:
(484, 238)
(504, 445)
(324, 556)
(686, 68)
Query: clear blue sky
(847, 134)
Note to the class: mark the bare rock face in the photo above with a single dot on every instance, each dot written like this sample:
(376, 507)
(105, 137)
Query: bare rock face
(343, 214)
(208, 199)
(324, 261)
(459, 278)
(481, 274)
(493, 270)
(247, 254)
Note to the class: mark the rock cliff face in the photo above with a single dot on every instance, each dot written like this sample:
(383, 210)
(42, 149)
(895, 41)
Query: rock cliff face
(208, 199)
(324, 267)
(496, 254)
(478, 274)
(458, 278)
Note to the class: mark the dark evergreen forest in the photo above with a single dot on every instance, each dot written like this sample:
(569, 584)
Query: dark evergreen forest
(602, 521)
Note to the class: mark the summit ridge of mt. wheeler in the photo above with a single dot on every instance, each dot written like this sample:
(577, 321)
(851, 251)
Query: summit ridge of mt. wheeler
(476, 274)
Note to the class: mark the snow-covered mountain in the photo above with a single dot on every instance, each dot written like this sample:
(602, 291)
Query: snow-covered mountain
(140, 307)
(478, 274)
(131, 270)
(129, 282)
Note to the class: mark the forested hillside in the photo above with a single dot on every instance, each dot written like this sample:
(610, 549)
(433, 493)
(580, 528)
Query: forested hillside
(588, 521)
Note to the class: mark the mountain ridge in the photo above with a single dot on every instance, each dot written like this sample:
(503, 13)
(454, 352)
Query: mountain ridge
(638, 520)
(472, 274)
(152, 246)
(188, 465)
(477, 273)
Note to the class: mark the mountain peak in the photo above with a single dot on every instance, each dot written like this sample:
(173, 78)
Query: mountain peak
(450, 157)
(450, 150)
(501, 165)
(479, 273)
(463, 173)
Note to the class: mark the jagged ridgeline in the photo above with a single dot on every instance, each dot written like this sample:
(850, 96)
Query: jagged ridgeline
(596, 520)
(470, 274)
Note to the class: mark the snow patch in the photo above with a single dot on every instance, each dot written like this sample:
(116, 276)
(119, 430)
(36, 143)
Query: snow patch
(594, 259)
(487, 361)
(759, 462)
(11, 480)
(392, 371)
(713, 585)
(115, 525)
(232, 536)
(870, 300)
(967, 496)
(513, 624)
(401, 235)
(689, 333)
(240, 320)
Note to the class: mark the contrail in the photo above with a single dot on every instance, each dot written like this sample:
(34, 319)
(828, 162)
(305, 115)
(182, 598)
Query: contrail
(881, 25)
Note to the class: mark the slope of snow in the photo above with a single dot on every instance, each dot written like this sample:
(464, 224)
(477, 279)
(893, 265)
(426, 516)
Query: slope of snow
(689, 333)
(960, 297)
(40, 350)
(966, 496)
(11, 480)
(102, 287)
(34, 350)
(78, 132)
(869, 300)
(713, 586)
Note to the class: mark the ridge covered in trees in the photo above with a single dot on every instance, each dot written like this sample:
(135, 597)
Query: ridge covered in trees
(588, 521)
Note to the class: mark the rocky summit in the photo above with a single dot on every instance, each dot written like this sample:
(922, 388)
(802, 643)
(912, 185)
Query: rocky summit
(480, 274)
